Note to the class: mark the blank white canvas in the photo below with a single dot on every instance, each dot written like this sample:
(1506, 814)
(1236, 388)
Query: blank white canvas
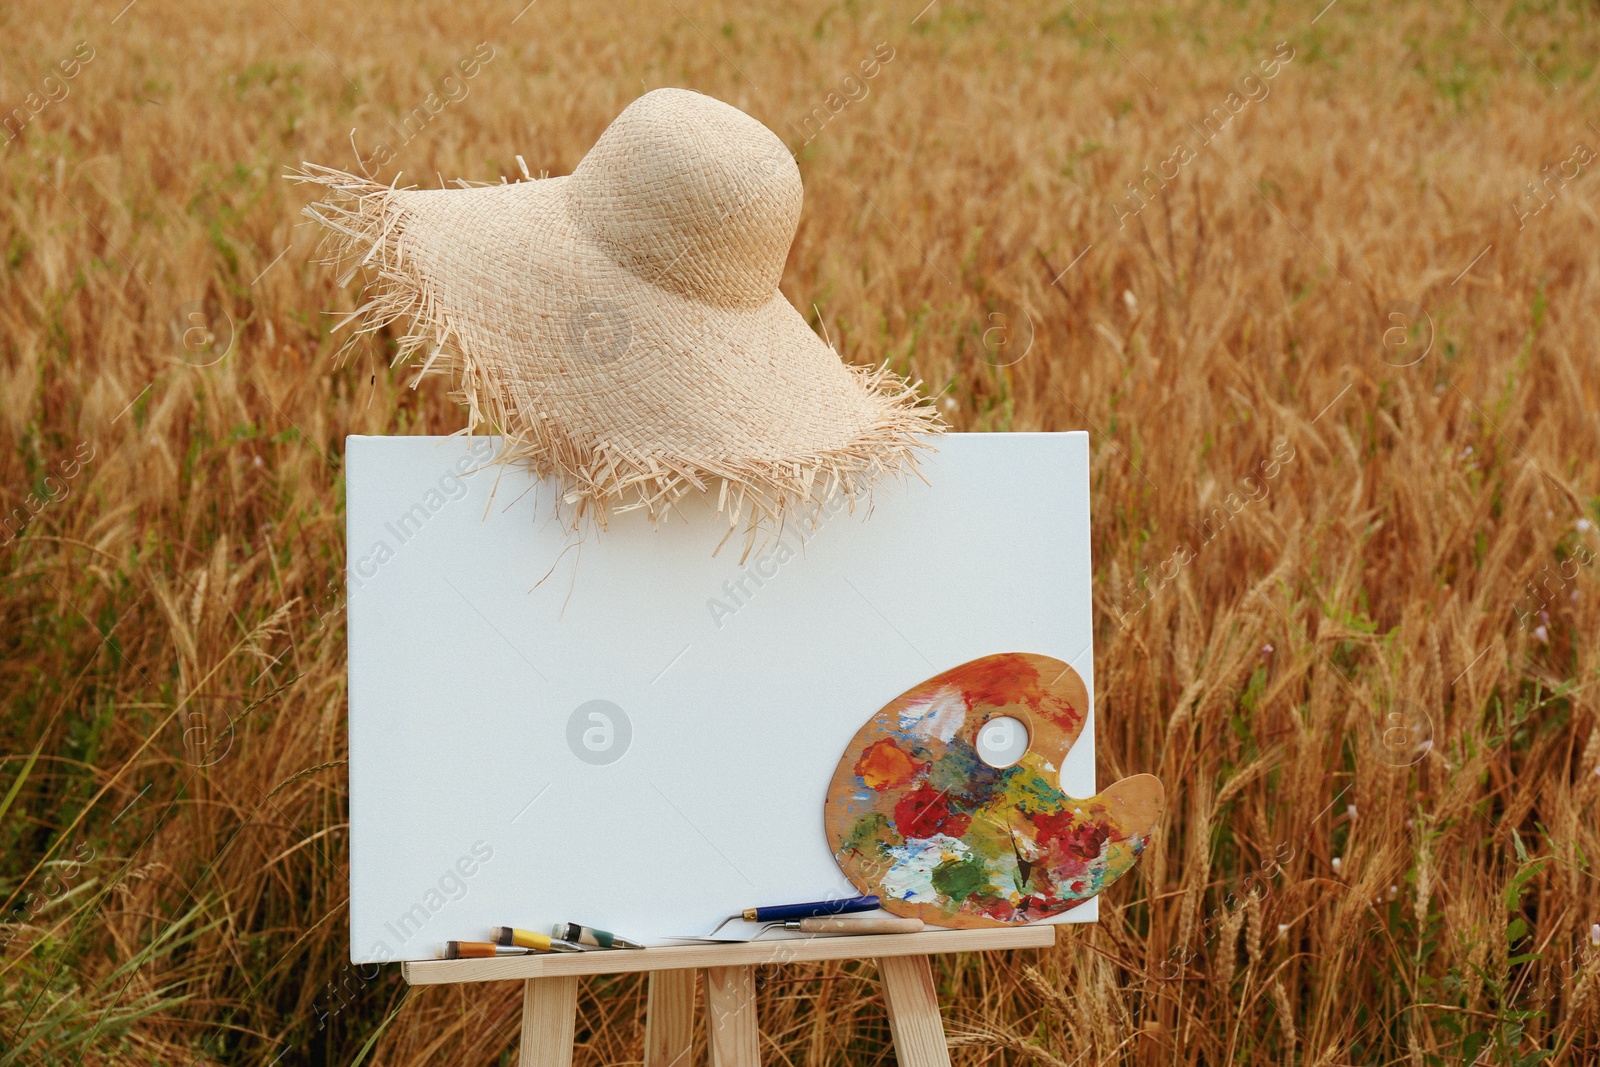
(479, 623)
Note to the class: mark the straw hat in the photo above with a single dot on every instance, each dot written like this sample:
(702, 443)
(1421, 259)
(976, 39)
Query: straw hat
(622, 327)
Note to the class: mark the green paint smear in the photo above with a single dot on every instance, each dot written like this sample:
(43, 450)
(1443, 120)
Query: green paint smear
(988, 844)
(960, 879)
(1029, 793)
(960, 772)
(871, 829)
(954, 772)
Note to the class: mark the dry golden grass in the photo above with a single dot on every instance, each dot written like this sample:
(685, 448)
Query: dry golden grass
(1423, 555)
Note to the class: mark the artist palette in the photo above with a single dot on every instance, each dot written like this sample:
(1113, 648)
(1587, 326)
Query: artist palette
(919, 817)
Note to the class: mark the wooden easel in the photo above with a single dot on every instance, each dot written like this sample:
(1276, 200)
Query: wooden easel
(550, 990)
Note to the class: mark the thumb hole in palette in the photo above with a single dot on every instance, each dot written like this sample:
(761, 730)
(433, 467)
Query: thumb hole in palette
(1002, 741)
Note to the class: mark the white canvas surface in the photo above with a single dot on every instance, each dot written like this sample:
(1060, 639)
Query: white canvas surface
(479, 625)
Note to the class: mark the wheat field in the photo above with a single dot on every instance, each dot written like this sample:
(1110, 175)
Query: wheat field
(1322, 282)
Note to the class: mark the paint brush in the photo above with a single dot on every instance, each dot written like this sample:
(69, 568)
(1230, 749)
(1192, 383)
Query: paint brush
(510, 935)
(589, 937)
(875, 925)
(474, 950)
(777, 913)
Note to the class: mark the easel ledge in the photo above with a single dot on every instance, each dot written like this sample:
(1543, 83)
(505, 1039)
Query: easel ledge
(550, 991)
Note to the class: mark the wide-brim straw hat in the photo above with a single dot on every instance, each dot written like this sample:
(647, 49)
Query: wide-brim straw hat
(622, 327)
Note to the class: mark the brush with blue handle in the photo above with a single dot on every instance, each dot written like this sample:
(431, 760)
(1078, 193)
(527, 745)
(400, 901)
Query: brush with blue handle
(780, 913)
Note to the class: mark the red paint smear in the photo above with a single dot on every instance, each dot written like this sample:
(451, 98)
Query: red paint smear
(997, 681)
(1073, 845)
(1060, 712)
(1038, 905)
(999, 909)
(884, 766)
(924, 812)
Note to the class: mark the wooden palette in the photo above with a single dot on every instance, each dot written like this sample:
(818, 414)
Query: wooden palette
(917, 817)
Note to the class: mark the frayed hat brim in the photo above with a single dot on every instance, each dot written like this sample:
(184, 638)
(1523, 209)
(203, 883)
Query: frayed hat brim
(629, 394)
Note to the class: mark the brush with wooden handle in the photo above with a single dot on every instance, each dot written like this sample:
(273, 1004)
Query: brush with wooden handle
(882, 924)
(475, 950)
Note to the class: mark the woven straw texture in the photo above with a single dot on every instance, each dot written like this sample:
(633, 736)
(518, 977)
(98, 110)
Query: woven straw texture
(622, 327)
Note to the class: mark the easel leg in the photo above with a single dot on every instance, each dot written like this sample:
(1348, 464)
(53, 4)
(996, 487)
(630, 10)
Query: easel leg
(914, 1018)
(731, 1016)
(549, 1016)
(669, 1019)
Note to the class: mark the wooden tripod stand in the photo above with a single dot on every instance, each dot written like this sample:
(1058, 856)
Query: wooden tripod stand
(550, 991)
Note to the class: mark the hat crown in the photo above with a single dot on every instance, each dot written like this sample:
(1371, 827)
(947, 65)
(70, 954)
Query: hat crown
(693, 195)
